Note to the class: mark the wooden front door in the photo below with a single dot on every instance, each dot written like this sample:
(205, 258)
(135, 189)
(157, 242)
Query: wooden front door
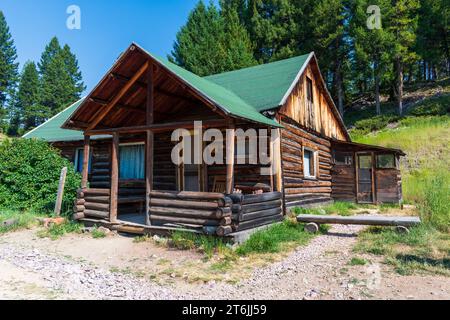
(365, 177)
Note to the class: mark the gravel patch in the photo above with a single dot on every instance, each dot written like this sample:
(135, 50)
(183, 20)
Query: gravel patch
(84, 281)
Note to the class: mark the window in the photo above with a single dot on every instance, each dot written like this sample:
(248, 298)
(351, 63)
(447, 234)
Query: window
(131, 161)
(386, 161)
(309, 163)
(79, 156)
(343, 158)
(309, 90)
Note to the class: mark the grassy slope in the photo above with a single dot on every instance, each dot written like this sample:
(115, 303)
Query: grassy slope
(424, 135)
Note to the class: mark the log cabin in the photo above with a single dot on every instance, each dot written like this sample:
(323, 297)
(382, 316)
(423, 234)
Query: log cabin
(119, 138)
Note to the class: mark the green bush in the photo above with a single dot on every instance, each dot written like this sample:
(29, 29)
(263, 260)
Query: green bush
(437, 106)
(375, 123)
(29, 176)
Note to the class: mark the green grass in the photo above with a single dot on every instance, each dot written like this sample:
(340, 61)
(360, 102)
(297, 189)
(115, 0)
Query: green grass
(356, 261)
(98, 234)
(206, 244)
(423, 249)
(55, 232)
(336, 208)
(424, 135)
(274, 238)
(23, 220)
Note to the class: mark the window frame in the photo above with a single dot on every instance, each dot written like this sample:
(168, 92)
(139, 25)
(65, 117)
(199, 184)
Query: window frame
(131, 144)
(347, 155)
(77, 160)
(314, 162)
(395, 166)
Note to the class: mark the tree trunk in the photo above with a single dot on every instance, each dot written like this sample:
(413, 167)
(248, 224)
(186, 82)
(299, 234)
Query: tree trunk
(377, 90)
(399, 85)
(339, 89)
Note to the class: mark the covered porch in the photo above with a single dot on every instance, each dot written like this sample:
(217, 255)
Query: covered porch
(130, 182)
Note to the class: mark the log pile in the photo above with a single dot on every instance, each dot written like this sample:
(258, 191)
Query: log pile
(251, 211)
(92, 203)
(210, 212)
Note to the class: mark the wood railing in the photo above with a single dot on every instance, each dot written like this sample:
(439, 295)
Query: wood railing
(208, 211)
(251, 211)
(92, 203)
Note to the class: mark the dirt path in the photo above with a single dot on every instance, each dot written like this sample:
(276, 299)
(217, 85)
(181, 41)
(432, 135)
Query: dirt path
(36, 269)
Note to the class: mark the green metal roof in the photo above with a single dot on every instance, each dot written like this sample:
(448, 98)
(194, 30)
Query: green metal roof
(224, 98)
(263, 86)
(51, 129)
(243, 93)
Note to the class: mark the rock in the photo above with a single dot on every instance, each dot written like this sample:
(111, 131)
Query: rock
(9, 222)
(87, 229)
(104, 230)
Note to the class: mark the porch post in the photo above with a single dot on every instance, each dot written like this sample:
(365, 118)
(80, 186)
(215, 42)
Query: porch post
(149, 143)
(85, 173)
(276, 160)
(230, 140)
(114, 178)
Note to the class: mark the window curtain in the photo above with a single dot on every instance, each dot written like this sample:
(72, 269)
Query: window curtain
(80, 159)
(131, 162)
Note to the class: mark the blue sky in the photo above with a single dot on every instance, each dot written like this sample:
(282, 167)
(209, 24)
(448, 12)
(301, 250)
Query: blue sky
(107, 28)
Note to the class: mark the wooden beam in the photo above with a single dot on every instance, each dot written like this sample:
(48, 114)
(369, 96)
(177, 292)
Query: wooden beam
(149, 143)
(114, 193)
(231, 137)
(158, 90)
(159, 127)
(116, 99)
(86, 152)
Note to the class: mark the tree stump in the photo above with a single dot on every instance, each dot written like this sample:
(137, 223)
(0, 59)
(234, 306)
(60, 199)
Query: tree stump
(312, 227)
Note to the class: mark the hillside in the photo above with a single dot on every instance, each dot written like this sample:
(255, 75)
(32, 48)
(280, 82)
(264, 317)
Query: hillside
(423, 134)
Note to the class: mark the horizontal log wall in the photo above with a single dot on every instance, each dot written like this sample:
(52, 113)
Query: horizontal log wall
(251, 211)
(207, 211)
(92, 203)
(298, 190)
(344, 183)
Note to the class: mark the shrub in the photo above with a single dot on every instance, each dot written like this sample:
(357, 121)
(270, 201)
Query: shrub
(29, 176)
(437, 106)
(374, 124)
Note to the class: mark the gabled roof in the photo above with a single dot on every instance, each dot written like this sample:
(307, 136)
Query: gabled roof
(51, 129)
(242, 93)
(222, 97)
(263, 86)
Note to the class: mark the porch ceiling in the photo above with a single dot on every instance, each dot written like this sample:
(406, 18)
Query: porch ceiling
(172, 99)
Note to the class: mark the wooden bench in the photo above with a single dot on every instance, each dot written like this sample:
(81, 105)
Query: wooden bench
(401, 223)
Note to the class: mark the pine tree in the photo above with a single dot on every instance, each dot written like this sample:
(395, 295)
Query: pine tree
(213, 40)
(52, 49)
(236, 41)
(403, 26)
(196, 45)
(273, 28)
(371, 46)
(27, 101)
(8, 66)
(60, 79)
(330, 35)
(71, 63)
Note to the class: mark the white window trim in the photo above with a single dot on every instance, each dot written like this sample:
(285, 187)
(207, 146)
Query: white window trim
(77, 159)
(315, 156)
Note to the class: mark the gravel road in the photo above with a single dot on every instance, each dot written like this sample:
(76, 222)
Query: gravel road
(319, 270)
